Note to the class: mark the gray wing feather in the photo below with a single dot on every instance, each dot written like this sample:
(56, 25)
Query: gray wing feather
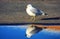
(36, 11)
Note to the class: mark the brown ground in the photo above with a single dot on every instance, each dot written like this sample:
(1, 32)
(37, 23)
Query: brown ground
(13, 11)
(50, 27)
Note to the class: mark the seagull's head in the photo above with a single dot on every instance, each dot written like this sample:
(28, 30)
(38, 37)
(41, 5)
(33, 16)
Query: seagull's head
(29, 5)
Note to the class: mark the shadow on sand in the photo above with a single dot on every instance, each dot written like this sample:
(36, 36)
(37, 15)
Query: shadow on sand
(54, 18)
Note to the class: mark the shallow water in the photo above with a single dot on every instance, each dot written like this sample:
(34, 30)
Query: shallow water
(18, 32)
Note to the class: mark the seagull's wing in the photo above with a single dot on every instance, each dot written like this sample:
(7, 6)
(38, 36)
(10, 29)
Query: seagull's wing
(36, 11)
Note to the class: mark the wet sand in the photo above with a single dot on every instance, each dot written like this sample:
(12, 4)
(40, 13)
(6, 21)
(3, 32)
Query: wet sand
(13, 11)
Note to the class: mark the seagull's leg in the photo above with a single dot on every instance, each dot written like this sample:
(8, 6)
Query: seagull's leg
(31, 18)
(34, 18)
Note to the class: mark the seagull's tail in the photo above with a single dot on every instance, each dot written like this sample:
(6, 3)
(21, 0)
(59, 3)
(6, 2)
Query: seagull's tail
(43, 13)
(46, 14)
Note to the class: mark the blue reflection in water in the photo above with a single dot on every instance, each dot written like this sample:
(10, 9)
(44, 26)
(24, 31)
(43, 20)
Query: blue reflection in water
(17, 32)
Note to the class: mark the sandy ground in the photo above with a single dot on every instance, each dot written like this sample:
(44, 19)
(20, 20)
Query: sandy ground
(13, 11)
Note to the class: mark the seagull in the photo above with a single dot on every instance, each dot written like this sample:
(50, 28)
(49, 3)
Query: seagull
(33, 12)
(31, 30)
